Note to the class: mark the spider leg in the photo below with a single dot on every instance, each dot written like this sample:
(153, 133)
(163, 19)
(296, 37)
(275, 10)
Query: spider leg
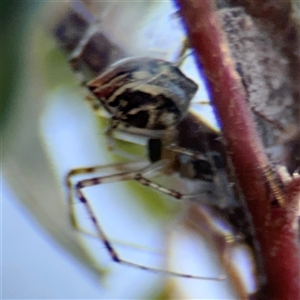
(192, 153)
(170, 192)
(122, 176)
(92, 170)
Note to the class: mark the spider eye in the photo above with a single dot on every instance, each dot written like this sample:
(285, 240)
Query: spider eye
(154, 149)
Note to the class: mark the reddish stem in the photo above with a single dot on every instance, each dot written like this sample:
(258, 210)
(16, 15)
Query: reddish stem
(274, 226)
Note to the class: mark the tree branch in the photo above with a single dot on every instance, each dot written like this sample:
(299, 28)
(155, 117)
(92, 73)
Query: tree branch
(273, 209)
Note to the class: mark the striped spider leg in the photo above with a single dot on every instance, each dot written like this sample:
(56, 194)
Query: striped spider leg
(139, 172)
(92, 170)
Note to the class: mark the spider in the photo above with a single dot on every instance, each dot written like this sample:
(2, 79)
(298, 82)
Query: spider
(151, 97)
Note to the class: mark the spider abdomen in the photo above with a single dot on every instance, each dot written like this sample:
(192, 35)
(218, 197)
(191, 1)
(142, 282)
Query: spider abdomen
(144, 92)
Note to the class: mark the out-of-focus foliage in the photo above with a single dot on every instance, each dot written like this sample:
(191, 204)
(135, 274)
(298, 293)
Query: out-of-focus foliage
(12, 15)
